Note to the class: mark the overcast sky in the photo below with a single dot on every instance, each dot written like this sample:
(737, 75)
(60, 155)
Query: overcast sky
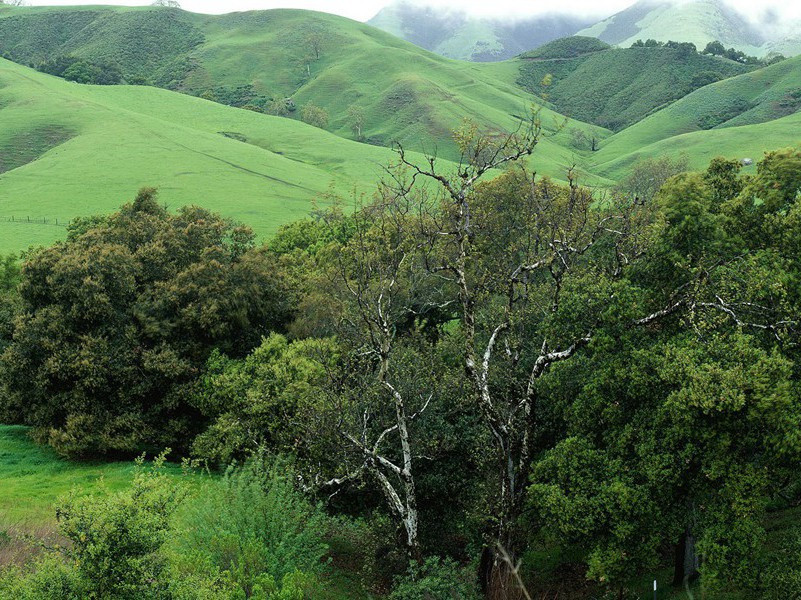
(364, 9)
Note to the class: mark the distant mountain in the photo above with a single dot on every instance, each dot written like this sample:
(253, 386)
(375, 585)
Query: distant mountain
(457, 35)
(696, 21)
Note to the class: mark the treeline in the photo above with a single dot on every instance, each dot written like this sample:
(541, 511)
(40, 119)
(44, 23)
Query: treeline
(714, 48)
(482, 371)
(81, 70)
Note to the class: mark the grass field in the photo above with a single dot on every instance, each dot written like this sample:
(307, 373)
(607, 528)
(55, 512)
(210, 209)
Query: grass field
(96, 146)
(33, 478)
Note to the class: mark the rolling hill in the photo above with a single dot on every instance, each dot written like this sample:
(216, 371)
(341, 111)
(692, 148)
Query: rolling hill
(458, 35)
(696, 21)
(615, 87)
(769, 95)
(405, 93)
(68, 150)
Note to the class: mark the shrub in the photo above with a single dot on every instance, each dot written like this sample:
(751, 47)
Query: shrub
(129, 308)
(782, 577)
(116, 546)
(253, 530)
(436, 579)
(314, 115)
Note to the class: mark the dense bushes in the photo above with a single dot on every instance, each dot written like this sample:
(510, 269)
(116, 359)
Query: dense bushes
(81, 71)
(117, 322)
(254, 532)
(251, 535)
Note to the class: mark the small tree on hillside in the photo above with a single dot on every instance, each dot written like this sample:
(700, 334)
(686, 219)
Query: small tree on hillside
(356, 117)
(714, 49)
(167, 3)
(314, 115)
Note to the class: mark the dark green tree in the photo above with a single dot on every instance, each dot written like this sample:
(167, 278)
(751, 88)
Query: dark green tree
(117, 322)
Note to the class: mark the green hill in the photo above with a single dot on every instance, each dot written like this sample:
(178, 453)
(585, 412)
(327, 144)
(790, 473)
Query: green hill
(615, 87)
(696, 21)
(404, 92)
(757, 97)
(68, 150)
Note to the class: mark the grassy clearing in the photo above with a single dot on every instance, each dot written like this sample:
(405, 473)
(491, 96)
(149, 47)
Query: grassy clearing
(33, 477)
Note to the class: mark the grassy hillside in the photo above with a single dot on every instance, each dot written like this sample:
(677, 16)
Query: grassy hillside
(615, 87)
(405, 93)
(69, 150)
(696, 21)
(745, 141)
(758, 97)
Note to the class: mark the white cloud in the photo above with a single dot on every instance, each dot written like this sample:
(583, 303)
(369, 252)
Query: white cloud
(364, 9)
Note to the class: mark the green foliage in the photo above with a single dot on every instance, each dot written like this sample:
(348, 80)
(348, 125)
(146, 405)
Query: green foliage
(569, 47)
(129, 308)
(782, 575)
(255, 532)
(116, 546)
(257, 401)
(314, 115)
(81, 71)
(436, 579)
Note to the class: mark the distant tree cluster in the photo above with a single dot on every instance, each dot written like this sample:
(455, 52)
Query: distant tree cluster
(81, 70)
(714, 48)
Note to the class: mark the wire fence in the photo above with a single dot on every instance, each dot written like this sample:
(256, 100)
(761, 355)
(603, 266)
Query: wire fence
(56, 222)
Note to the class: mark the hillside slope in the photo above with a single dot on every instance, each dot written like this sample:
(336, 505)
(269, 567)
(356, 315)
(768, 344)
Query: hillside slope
(615, 87)
(760, 96)
(68, 150)
(405, 93)
(696, 21)
(457, 35)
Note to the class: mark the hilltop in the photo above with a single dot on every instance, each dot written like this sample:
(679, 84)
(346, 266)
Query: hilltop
(696, 21)
(458, 35)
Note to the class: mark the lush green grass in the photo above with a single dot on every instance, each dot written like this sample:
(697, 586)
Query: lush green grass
(121, 138)
(33, 477)
(617, 87)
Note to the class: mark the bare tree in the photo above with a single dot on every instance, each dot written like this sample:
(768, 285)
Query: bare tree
(376, 280)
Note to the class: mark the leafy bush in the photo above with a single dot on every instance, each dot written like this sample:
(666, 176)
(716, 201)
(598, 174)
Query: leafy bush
(436, 579)
(131, 306)
(254, 530)
(314, 115)
(116, 548)
(255, 401)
